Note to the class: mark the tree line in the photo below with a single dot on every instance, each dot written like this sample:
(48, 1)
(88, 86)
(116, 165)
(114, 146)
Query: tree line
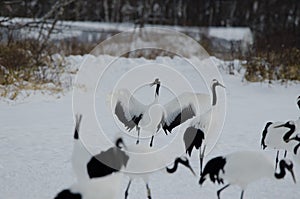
(275, 23)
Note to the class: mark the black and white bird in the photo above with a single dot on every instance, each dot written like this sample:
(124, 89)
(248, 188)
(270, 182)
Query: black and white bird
(197, 130)
(95, 174)
(242, 168)
(276, 135)
(135, 164)
(152, 117)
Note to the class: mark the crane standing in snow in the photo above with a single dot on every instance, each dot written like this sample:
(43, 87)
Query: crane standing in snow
(95, 174)
(195, 134)
(242, 168)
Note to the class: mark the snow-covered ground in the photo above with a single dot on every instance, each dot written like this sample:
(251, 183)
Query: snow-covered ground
(36, 142)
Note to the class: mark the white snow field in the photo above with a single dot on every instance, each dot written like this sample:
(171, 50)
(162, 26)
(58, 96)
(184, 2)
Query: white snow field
(36, 141)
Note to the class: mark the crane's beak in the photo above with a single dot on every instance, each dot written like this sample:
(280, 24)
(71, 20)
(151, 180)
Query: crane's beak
(190, 167)
(152, 84)
(156, 81)
(221, 85)
(281, 125)
(293, 175)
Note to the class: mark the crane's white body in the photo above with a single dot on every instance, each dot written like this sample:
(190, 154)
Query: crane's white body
(106, 187)
(202, 121)
(140, 167)
(90, 188)
(79, 159)
(274, 138)
(245, 167)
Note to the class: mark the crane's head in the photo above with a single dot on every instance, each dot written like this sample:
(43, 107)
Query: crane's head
(289, 124)
(288, 165)
(296, 138)
(215, 83)
(120, 143)
(156, 82)
(181, 160)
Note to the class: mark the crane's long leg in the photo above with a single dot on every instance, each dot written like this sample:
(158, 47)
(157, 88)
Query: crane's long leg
(138, 138)
(242, 194)
(148, 191)
(151, 142)
(276, 160)
(219, 191)
(126, 192)
(285, 152)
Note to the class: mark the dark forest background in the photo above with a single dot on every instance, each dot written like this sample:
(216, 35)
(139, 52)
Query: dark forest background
(275, 23)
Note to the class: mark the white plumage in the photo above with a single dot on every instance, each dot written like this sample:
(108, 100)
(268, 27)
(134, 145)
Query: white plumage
(80, 155)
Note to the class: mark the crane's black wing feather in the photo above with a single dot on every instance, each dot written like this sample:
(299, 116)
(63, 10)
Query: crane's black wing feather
(129, 123)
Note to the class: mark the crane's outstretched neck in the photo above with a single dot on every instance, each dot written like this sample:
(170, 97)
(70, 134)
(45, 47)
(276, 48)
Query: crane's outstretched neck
(291, 126)
(156, 93)
(183, 161)
(214, 94)
(157, 83)
(264, 134)
(157, 90)
(290, 132)
(215, 83)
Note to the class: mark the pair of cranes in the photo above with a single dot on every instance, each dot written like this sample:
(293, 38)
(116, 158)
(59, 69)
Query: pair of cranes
(153, 117)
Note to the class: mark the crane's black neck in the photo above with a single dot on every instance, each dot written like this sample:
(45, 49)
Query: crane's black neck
(176, 162)
(214, 93)
(282, 166)
(264, 134)
(296, 148)
(288, 134)
(298, 102)
(157, 90)
(119, 143)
